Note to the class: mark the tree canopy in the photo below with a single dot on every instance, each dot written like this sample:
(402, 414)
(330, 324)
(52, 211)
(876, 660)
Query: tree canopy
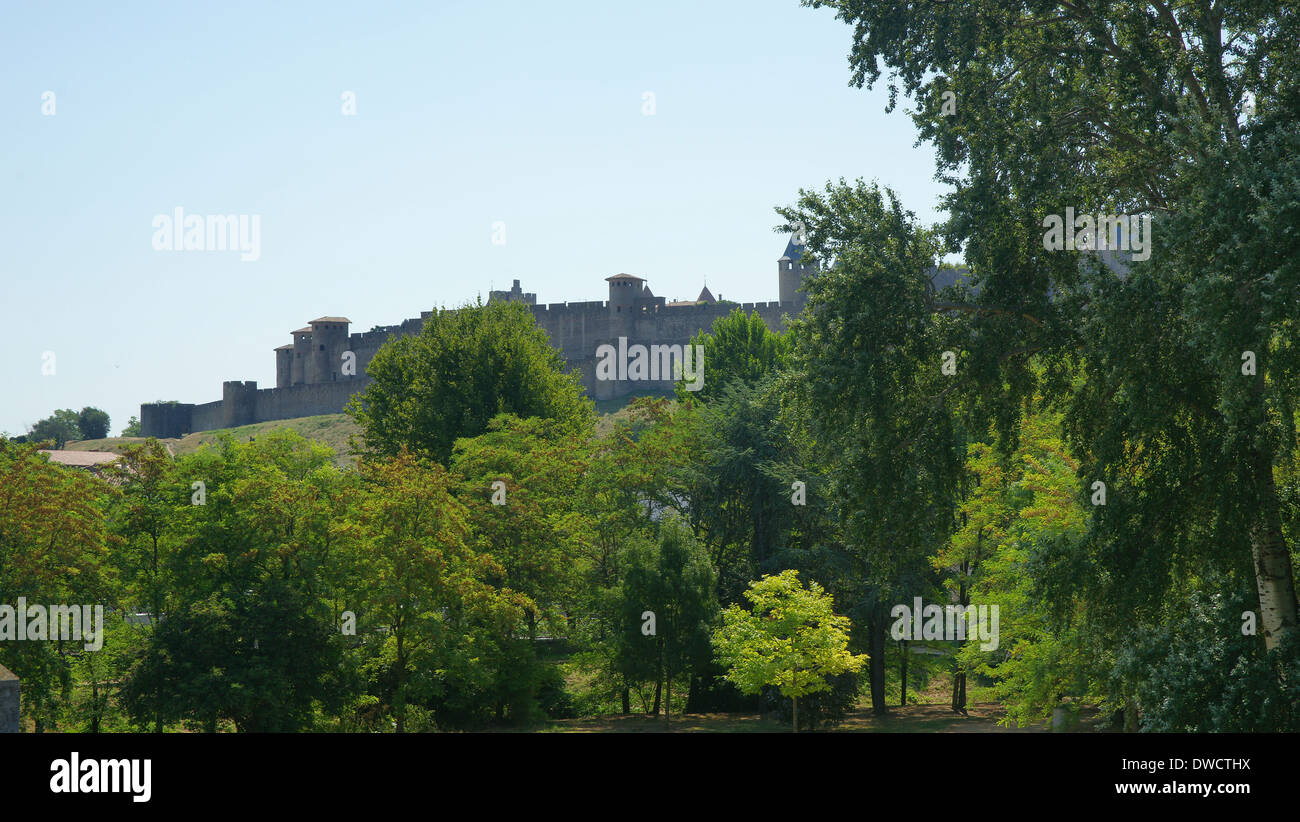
(465, 367)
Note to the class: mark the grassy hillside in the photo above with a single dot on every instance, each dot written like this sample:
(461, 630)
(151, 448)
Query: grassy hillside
(331, 429)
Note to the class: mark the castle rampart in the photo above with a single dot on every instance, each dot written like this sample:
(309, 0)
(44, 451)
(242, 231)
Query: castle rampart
(311, 377)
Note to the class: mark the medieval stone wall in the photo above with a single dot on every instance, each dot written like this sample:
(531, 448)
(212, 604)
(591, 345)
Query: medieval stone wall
(310, 378)
(9, 702)
(576, 329)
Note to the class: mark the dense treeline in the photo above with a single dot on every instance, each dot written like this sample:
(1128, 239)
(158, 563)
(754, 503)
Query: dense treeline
(257, 586)
(65, 424)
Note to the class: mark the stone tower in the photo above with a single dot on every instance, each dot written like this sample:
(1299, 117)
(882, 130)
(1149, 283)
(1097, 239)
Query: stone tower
(791, 270)
(329, 339)
(238, 403)
(624, 289)
(284, 366)
(515, 294)
(300, 369)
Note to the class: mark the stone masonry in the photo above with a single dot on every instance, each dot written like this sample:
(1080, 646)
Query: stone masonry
(311, 378)
(8, 701)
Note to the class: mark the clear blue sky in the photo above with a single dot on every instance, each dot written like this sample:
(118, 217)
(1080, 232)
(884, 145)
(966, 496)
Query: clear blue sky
(467, 113)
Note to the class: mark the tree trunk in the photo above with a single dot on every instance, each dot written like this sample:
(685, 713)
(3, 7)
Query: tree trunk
(958, 675)
(399, 703)
(94, 702)
(668, 697)
(626, 695)
(902, 698)
(654, 711)
(694, 695)
(1277, 595)
(796, 714)
(877, 640)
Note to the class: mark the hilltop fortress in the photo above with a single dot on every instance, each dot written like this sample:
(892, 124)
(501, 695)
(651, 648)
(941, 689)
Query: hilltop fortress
(314, 375)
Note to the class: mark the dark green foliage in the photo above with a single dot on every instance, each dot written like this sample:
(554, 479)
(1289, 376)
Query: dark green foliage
(465, 367)
(738, 480)
(66, 425)
(1197, 673)
(672, 578)
(553, 696)
(739, 347)
(93, 423)
(257, 661)
(59, 428)
(1116, 109)
(819, 711)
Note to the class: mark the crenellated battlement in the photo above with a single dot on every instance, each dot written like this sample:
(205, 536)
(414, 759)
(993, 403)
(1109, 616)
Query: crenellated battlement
(323, 365)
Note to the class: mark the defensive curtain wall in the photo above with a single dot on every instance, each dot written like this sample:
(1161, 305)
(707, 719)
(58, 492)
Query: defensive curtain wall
(314, 375)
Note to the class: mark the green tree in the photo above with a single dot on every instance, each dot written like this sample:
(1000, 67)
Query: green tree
(519, 483)
(53, 548)
(445, 633)
(738, 347)
(670, 584)
(132, 428)
(1129, 108)
(790, 638)
(143, 517)
(466, 366)
(869, 356)
(93, 423)
(1020, 510)
(60, 427)
(259, 660)
(737, 480)
(97, 674)
(248, 634)
(626, 477)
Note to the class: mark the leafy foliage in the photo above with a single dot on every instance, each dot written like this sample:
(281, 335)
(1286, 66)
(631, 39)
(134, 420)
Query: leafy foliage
(59, 428)
(790, 638)
(464, 368)
(93, 423)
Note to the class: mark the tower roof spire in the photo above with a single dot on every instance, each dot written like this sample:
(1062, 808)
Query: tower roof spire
(793, 249)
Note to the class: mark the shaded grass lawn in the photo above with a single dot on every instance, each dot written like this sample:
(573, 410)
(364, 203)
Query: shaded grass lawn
(911, 719)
